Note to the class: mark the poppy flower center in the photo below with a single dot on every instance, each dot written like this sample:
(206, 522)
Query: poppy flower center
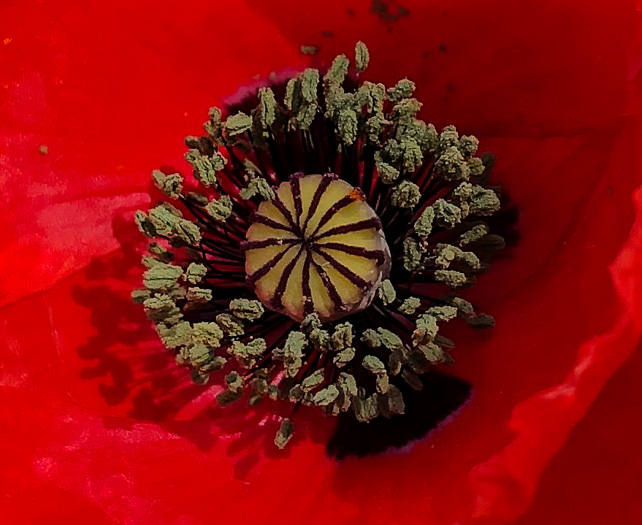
(316, 247)
(322, 245)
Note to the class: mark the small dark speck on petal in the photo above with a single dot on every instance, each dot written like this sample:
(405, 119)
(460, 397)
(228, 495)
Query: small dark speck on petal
(43, 149)
(309, 50)
(425, 54)
(350, 11)
(449, 87)
(327, 34)
(442, 48)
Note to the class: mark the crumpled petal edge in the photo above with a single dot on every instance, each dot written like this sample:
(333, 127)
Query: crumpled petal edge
(505, 484)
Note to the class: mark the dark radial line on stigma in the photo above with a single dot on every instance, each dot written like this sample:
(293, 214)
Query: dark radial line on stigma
(342, 269)
(277, 299)
(377, 255)
(366, 224)
(339, 205)
(308, 305)
(280, 205)
(255, 245)
(295, 183)
(263, 270)
(316, 199)
(262, 219)
(329, 285)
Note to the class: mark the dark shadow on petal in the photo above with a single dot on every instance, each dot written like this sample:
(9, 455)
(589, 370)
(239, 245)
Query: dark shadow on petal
(441, 396)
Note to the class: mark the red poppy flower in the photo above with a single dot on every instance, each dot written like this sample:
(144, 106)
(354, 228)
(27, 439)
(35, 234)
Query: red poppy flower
(101, 427)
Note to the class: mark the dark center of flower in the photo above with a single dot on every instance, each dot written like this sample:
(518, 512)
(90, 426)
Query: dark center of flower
(316, 247)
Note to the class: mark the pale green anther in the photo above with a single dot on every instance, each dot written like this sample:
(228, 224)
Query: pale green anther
(144, 224)
(256, 347)
(267, 105)
(205, 168)
(249, 309)
(196, 294)
(373, 127)
(149, 262)
(406, 194)
(382, 383)
(337, 72)
(468, 145)
(448, 138)
(251, 169)
(443, 313)
(412, 380)
(395, 362)
(258, 187)
(406, 109)
(347, 383)
(160, 253)
(425, 329)
(234, 382)
(451, 165)
(309, 84)
(446, 254)
(230, 325)
(168, 224)
(344, 357)
(361, 57)
(451, 278)
(481, 321)
(394, 150)
(259, 389)
(320, 339)
(140, 296)
(366, 409)
(403, 89)
(175, 336)
(295, 394)
(372, 97)
(476, 167)
(214, 363)
(195, 273)
(412, 155)
(176, 293)
(219, 209)
(371, 338)
(464, 307)
(198, 355)
(313, 380)
(342, 336)
(483, 202)
(446, 214)
(284, 434)
(292, 352)
(473, 235)
(412, 256)
(389, 339)
(161, 308)
(170, 185)
(433, 353)
(395, 400)
(246, 354)
(207, 333)
(237, 124)
(410, 306)
(431, 138)
(373, 364)
(423, 225)
(227, 397)
(386, 292)
(310, 322)
(347, 125)
(387, 173)
(326, 396)
(161, 276)
(215, 115)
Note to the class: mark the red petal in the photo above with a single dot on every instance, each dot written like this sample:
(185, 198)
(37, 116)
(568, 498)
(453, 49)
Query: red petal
(551, 81)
